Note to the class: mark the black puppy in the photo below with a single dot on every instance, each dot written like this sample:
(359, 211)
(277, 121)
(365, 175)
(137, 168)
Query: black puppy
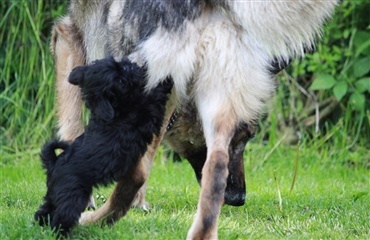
(123, 120)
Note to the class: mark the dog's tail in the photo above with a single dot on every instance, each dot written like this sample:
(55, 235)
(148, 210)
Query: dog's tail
(48, 155)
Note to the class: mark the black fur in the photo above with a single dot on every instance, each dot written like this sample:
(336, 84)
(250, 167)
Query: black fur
(169, 14)
(142, 20)
(122, 123)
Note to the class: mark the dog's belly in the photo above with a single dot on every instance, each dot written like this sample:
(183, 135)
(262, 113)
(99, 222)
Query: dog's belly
(185, 136)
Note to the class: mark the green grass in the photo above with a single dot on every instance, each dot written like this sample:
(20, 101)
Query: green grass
(330, 199)
(26, 73)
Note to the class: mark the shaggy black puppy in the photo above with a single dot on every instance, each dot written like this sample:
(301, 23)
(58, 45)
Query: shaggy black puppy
(123, 120)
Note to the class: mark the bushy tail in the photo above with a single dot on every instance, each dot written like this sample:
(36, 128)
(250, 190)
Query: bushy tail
(48, 155)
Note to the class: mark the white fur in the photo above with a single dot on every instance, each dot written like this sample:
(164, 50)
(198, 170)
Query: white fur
(282, 28)
(233, 69)
(95, 36)
(115, 11)
(228, 52)
(169, 54)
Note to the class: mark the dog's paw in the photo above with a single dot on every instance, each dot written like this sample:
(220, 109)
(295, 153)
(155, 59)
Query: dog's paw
(86, 218)
(42, 219)
(143, 205)
(43, 216)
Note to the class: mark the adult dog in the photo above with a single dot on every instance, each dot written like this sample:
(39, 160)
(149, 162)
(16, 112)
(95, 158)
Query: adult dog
(123, 120)
(219, 54)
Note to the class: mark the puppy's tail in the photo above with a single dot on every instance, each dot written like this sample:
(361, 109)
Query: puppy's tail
(48, 155)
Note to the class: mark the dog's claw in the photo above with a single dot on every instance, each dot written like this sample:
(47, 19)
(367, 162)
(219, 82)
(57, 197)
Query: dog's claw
(145, 208)
(91, 204)
(144, 205)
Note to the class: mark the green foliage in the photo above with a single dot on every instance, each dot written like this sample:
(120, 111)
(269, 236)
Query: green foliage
(323, 81)
(26, 72)
(341, 63)
(331, 85)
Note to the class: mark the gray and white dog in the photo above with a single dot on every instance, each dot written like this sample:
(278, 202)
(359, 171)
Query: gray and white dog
(220, 55)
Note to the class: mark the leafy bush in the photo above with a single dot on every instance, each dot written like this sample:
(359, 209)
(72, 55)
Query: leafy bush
(342, 61)
(334, 80)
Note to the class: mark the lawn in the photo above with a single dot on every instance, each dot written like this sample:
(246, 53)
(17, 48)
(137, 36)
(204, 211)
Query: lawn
(330, 198)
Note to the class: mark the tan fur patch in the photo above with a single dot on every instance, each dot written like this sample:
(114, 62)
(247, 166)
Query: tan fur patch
(67, 49)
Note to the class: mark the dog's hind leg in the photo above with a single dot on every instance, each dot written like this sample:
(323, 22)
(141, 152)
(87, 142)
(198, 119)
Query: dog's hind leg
(71, 203)
(125, 192)
(68, 51)
(44, 214)
(235, 189)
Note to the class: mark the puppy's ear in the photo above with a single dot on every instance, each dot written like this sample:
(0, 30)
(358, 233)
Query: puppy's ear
(77, 75)
(104, 110)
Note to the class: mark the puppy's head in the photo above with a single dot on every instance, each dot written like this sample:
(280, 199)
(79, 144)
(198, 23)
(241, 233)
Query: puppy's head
(110, 87)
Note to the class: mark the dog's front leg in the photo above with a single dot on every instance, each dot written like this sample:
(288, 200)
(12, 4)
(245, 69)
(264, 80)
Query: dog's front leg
(219, 123)
(185, 136)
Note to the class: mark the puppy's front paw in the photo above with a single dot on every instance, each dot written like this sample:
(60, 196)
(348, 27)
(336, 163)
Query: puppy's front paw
(77, 75)
(167, 85)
